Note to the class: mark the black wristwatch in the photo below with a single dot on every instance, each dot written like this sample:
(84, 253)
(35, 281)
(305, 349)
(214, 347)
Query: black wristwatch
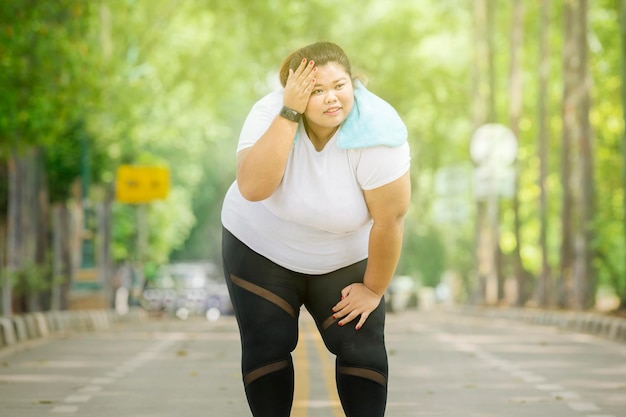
(290, 114)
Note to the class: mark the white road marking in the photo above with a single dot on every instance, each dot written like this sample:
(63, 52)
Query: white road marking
(65, 409)
(505, 366)
(139, 360)
(566, 395)
(531, 379)
(102, 381)
(549, 387)
(77, 398)
(583, 406)
(90, 388)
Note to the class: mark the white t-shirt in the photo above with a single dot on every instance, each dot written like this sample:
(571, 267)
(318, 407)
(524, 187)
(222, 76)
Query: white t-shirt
(317, 220)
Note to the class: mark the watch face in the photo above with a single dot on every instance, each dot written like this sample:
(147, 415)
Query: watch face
(290, 114)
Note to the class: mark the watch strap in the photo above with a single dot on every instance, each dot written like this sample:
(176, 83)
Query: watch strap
(290, 114)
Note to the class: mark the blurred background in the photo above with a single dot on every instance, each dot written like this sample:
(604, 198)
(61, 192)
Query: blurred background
(119, 121)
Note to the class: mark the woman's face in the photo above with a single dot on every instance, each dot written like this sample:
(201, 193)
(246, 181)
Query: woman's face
(332, 98)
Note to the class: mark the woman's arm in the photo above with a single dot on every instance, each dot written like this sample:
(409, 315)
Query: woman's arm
(261, 167)
(387, 205)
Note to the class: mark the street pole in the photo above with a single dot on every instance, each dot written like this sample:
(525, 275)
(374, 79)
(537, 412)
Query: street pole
(142, 245)
(493, 149)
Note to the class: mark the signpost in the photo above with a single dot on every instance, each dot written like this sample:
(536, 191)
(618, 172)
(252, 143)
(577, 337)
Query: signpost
(451, 205)
(139, 185)
(493, 148)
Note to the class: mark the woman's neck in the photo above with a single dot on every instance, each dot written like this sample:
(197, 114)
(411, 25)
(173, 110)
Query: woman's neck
(320, 136)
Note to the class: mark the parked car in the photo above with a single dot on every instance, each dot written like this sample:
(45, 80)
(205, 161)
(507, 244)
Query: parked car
(402, 294)
(188, 288)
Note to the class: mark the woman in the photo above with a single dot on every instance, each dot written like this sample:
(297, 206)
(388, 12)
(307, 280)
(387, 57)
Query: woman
(315, 218)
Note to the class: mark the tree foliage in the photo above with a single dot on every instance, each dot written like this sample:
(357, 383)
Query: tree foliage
(169, 83)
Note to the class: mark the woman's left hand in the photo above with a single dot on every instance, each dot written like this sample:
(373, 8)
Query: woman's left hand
(356, 300)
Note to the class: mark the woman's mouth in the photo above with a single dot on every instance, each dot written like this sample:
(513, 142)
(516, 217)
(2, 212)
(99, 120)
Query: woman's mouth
(332, 111)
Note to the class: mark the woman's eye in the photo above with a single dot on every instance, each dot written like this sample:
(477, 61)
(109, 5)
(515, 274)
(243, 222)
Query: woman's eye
(318, 91)
(339, 86)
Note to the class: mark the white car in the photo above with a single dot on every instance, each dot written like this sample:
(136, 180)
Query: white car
(188, 288)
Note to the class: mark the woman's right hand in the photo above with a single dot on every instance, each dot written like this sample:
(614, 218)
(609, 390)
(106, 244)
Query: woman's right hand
(299, 86)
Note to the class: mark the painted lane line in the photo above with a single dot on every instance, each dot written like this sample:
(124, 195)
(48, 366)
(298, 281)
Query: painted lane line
(549, 387)
(133, 364)
(466, 347)
(67, 409)
(583, 406)
(522, 374)
(507, 366)
(328, 373)
(302, 389)
(566, 395)
(90, 388)
(529, 377)
(96, 383)
(77, 398)
(102, 381)
(533, 379)
(322, 404)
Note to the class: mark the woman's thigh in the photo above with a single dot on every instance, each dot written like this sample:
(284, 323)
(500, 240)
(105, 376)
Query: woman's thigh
(323, 292)
(266, 299)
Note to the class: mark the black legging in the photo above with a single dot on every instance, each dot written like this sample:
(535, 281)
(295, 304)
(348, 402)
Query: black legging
(267, 300)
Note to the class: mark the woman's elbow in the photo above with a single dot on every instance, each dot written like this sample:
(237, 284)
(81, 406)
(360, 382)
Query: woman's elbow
(252, 192)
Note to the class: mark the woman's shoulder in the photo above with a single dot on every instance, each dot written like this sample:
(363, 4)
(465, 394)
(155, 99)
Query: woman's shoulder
(382, 151)
(270, 100)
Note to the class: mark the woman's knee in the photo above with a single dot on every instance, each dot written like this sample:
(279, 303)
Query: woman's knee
(356, 347)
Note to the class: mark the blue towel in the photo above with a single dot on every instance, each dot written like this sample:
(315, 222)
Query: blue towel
(372, 122)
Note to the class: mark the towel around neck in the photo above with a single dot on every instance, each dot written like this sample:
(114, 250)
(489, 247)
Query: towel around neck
(372, 122)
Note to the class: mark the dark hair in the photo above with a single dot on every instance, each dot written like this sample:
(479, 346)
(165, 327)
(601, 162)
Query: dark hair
(320, 52)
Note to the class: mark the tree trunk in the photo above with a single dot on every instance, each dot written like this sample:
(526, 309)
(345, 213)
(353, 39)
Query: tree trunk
(488, 254)
(587, 273)
(27, 233)
(622, 24)
(577, 171)
(479, 113)
(13, 235)
(57, 256)
(544, 288)
(497, 257)
(570, 61)
(62, 260)
(479, 85)
(104, 258)
(515, 112)
(41, 228)
(491, 56)
(3, 261)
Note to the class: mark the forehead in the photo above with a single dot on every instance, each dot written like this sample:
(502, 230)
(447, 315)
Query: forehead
(330, 73)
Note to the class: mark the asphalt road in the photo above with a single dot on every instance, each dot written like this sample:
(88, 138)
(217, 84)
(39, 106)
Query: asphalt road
(441, 365)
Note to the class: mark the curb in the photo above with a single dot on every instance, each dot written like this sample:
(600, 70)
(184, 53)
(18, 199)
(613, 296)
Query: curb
(31, 326)
(613, 328)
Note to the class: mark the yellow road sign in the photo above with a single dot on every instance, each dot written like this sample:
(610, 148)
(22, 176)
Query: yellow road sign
(141, 184)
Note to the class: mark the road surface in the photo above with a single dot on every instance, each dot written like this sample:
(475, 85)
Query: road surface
(442, 364)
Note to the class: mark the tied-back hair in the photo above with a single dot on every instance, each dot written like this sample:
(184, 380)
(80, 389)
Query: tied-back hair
(320, 52)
